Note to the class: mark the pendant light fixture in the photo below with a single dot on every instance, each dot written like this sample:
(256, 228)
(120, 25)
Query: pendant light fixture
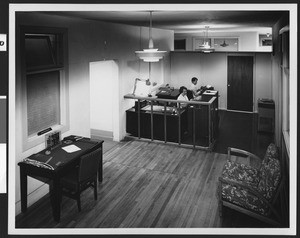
(206, 47)
(151, 54)
(224, 44)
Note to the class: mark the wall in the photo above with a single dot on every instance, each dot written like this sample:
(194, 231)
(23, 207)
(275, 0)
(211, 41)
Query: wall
(212, 69)
(263, 75)
(248, 41)
(91, 41)
(276, 76)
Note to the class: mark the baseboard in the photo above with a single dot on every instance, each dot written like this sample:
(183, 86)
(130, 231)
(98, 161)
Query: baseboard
(98, 134)
(225, 109)
(239, 111)
(33, 197)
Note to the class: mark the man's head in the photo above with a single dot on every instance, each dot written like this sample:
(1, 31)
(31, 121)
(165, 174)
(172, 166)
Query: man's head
(194, 80)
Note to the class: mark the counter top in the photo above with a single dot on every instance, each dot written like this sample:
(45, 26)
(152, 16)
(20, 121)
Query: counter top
(203, 100)
(157, 109)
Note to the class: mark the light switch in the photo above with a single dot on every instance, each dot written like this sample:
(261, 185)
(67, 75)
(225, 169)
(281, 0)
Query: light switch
(3, 42)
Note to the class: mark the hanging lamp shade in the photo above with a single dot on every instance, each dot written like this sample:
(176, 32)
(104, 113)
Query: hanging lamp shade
(206, 47)
(224, 44)
(151, 54)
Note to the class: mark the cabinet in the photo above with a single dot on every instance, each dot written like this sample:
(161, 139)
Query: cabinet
(203, 120)
(172, 123)
(200, 122)
(266, 115)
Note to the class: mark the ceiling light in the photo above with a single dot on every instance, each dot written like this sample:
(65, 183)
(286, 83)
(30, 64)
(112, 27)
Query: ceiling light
(224, 44)
(150, 54)
(206, 47)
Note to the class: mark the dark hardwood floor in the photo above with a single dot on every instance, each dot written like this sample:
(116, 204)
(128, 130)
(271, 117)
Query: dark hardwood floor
(152, 185)
(239, 130)
(145, 185)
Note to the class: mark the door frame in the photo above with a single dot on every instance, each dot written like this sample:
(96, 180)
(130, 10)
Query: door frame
(254, 109)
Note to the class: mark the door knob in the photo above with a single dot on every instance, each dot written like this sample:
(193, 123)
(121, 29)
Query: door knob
(228, 85)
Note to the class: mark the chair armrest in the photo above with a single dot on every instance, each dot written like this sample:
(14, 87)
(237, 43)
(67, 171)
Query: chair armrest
(231, 150)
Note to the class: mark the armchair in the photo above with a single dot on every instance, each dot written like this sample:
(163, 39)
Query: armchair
(252, 190)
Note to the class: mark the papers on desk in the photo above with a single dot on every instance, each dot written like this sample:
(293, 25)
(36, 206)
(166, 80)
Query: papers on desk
(198, 98)
(71, 148)
(210, 92)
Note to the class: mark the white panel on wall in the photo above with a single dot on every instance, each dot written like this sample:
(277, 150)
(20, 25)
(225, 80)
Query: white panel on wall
(212, 69)
(214, 73)
(263, 77)
(184, 66)
(104, 81)
(208, 68)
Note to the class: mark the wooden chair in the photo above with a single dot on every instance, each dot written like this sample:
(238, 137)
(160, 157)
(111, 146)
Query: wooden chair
(190, 94)
(252, 190)
(83, 177)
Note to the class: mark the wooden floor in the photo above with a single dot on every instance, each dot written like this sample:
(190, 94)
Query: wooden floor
(145, 185)
(151, 185)
(239, 130)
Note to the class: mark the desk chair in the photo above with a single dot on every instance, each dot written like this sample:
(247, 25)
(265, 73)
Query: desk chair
(83, 177)
(190, 94)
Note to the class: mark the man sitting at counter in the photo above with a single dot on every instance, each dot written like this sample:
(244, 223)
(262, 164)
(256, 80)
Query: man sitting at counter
(193, 87)
(183, 96)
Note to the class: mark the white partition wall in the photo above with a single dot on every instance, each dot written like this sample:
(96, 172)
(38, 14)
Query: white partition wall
(212, 69)
(104, 99)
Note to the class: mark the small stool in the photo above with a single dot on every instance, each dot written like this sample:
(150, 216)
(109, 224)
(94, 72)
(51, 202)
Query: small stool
(266, 115)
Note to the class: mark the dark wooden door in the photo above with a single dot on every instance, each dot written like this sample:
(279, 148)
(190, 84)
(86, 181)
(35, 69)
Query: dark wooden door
(240, 83)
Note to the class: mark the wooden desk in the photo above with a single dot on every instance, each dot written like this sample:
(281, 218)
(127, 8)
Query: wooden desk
(61, 162)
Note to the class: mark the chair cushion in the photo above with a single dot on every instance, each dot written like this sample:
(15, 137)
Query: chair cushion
(241, 173)
(243, 198)
(269, 172)
(271, 153)
(269, 178)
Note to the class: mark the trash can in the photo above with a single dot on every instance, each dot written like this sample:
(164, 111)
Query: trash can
(266, 115)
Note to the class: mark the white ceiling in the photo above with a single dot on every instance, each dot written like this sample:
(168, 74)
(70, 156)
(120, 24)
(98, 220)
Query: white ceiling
(188, 21)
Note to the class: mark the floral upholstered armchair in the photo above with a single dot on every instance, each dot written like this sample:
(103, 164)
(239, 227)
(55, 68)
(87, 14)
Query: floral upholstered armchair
(252, 190)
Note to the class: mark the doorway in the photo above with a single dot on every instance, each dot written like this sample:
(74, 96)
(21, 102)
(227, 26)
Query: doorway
(240, 83)
(104, 100)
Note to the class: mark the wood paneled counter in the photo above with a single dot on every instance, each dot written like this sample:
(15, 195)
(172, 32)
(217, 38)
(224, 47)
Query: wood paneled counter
(173, 117)
(157, 119)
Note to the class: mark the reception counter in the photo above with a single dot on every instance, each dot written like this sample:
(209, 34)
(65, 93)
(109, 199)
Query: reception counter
(173, 118)
(158, 119)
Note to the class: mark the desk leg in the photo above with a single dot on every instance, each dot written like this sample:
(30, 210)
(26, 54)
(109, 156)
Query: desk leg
(56, 199)
(100, 170)
(23, 178)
